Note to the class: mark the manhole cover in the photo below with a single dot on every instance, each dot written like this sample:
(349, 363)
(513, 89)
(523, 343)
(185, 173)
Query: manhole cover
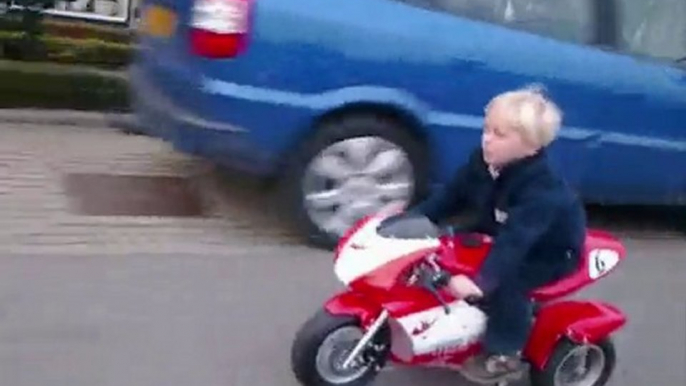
(116, 195)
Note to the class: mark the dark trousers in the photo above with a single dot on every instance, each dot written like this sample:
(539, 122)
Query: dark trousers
(510, 312)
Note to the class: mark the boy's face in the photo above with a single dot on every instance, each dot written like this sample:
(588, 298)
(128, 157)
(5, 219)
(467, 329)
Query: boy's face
(501, 143)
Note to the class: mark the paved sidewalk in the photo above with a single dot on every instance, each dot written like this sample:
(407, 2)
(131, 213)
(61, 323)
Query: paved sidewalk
(37, 216)
(62, 117)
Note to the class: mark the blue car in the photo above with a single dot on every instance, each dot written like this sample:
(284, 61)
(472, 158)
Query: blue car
(352, 104)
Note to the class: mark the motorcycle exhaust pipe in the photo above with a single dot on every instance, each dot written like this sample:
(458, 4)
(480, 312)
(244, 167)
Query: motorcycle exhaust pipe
(373, 329)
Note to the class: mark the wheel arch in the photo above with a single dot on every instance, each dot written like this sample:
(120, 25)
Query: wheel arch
(403, 117)
(399, 115)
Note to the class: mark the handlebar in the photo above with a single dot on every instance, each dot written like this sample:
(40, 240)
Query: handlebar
(434, 278)
(432, 282)
(448, 231)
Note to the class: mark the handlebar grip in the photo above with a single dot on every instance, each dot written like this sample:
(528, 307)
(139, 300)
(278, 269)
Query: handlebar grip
(428, 281)
(441, 279)
(473, 300)
(440, 299)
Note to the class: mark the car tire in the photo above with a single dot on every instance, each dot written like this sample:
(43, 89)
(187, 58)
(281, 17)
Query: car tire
(335, 131)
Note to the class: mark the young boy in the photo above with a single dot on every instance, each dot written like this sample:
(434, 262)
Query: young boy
(537, 222)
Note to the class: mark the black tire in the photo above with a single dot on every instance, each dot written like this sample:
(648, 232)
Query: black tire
(546, 377)
(330, 132)
(310, 338)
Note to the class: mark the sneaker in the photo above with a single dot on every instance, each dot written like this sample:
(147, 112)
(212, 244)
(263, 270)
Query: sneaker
(493, 367)
(503, 364)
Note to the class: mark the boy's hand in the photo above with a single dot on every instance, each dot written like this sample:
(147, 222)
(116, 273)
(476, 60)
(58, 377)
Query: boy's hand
(462, 286)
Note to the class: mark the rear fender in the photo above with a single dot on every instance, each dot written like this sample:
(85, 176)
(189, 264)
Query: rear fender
(579, 321)
(352, 304)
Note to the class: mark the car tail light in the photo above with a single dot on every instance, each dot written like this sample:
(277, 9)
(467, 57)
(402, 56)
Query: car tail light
(219, 28)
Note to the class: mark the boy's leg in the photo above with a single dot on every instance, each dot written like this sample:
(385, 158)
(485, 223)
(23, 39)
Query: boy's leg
(509, 320)
(509, 312)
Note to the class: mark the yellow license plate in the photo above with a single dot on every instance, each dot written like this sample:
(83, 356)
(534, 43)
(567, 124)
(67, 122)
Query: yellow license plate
(158, 21)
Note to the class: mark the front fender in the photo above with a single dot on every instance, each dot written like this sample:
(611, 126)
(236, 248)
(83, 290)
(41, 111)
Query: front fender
(579, 321)
(353, 304)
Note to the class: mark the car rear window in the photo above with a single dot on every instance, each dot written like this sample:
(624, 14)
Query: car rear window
(655, 28)
(560, 19)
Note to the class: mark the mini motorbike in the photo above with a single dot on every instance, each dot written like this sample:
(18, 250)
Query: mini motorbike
(393, 310)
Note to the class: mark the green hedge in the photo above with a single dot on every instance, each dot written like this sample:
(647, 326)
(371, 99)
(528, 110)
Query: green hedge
(82, 30)
(74, 29)
(40, 85)
(69, 51)
(88, 51)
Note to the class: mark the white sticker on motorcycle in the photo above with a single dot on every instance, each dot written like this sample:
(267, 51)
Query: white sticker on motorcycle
(433, 332)
(601, 261)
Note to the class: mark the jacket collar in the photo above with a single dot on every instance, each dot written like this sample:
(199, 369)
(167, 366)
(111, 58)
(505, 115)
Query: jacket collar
(524, 166)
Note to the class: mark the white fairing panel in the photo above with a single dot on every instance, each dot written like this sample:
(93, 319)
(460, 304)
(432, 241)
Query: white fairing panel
(433, 332)
(367, 251)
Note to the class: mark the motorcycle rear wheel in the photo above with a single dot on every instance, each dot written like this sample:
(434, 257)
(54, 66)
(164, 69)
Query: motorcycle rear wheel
(593, 367)
(323, 343)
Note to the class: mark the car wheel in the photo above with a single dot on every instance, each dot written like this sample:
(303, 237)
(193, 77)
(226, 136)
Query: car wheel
(350, 168)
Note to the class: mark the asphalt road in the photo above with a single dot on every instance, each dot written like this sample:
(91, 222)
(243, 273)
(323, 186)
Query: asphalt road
(228, 320)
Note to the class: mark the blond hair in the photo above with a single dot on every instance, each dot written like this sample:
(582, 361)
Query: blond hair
(529, 112)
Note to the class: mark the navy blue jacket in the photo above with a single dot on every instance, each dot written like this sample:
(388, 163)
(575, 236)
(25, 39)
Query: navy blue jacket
(537, 221)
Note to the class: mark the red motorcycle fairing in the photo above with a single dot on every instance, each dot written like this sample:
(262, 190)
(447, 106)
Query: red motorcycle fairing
(353, 304)
(385, 287)
(401, 302)
(388, 278)
(602, 253)
(405, 302)
(580, 321)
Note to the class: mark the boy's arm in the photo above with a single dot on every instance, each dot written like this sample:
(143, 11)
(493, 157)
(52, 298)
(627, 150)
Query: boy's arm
(452, 196)
(527, 221)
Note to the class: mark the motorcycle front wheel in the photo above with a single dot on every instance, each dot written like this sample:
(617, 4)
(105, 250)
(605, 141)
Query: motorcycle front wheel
(324, 342)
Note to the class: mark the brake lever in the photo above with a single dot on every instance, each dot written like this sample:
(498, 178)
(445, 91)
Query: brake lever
(438, 296)
(450, 230)
(427, 281)
(432, 261)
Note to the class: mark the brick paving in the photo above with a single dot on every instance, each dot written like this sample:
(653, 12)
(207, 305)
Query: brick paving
(37, 216)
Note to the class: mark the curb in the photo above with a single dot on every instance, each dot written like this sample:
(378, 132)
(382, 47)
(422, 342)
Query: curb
(124, 121)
